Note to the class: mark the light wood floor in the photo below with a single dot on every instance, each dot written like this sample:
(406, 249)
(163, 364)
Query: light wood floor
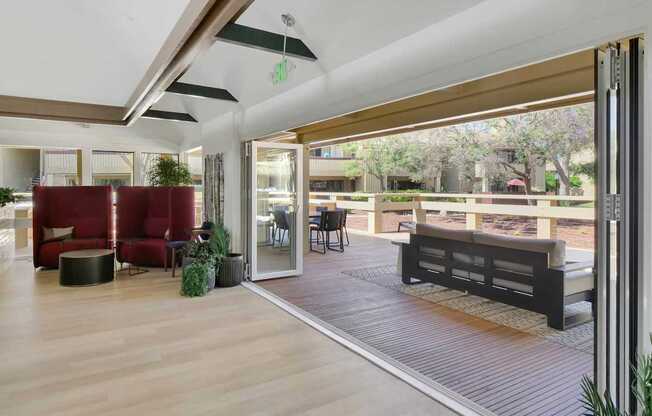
(136, 347)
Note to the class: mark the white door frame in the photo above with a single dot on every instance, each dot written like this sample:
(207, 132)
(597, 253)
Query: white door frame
(253, 238)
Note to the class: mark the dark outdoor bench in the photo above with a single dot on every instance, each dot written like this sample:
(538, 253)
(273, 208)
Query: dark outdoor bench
(526, 273)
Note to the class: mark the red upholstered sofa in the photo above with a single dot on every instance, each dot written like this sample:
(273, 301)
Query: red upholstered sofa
(147, 217)
(87, 208)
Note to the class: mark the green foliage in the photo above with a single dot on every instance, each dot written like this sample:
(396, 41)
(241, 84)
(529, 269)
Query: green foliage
(194, 281)
(552, 183)
(603, 405)
(202, 252)
(7, 196)
(406, 198)
(594, 402)
(575, 182)
(220, 242)
(168, 172)
(587, 169)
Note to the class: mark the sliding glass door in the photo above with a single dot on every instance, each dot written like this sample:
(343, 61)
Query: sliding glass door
(619, 110)
(276, 220)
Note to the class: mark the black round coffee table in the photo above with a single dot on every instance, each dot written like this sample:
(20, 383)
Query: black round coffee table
(86, 267)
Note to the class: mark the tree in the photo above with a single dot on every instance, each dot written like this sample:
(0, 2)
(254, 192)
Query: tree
(469, 145)
(428, 155)
(550, 135)
(168, 172)
(379, 158)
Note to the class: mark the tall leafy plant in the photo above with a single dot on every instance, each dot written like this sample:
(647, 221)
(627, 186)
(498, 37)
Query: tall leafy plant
(220, 241)
(169, 172)
(6, 196)
(602, 404)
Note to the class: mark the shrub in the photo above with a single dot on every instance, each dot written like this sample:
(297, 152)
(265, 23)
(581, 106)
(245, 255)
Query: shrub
(194, 281)
(6, 196)
(169, 172)
(202, 252)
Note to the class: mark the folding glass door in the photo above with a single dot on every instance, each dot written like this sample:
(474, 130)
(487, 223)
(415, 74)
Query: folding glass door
(275, 229)
(619, 113)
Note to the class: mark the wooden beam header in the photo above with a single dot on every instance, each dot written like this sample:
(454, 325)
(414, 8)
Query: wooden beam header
(570, 75)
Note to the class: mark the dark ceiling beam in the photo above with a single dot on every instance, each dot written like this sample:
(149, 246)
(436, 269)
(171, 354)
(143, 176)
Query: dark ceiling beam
(168, 115)
(200, 91)
(264, 40)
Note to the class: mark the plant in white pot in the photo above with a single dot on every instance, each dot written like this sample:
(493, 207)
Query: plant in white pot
(196, 252)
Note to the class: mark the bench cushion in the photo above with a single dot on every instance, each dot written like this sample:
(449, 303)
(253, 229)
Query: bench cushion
(556, 249)
(430, 230)
(578, 281)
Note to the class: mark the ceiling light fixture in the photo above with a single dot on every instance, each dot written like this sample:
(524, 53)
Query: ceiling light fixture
(282, 69)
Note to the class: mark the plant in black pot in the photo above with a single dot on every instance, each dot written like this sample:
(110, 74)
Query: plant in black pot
(202, 253)
(230, 265)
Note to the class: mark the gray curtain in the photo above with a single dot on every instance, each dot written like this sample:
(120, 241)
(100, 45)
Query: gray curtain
(214, 188)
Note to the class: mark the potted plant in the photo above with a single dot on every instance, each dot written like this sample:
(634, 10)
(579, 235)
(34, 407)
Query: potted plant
(6, 196)
(196, 252)
(194, 281)
(230, 265)
(169, 172)
(603, 405)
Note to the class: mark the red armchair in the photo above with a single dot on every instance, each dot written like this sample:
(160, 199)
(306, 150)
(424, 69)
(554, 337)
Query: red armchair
(87, 208)
(148, 217)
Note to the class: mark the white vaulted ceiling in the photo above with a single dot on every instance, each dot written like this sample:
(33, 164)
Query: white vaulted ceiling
(79, 50)
(337, 31)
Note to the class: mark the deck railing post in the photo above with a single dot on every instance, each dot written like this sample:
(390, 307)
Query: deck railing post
(418, 213)
(375, 215)
(473, 220)
(546, 227)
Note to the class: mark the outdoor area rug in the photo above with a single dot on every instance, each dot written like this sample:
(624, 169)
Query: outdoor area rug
(579, 337)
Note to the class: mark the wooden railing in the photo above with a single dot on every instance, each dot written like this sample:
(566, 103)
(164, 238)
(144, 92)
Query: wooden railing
(545, 208)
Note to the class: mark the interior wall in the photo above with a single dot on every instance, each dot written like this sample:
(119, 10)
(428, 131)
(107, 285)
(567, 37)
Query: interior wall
(18, 167)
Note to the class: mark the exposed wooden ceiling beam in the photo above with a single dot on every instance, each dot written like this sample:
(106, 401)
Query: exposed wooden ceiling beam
(37, 108)
(504, 112)
(219, 15)
(264, 40)
(200, 91)
(169, 116)
(565, 76)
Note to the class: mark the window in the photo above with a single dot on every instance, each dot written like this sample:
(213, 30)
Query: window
(61, 167)
(113, 168)
(147, 160)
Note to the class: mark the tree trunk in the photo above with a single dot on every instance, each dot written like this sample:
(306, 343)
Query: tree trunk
(564, 179)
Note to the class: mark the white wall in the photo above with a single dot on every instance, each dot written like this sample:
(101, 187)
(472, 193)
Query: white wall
(18, 167)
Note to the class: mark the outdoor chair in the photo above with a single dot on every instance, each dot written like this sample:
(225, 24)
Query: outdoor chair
(329, 221)
(281, 226)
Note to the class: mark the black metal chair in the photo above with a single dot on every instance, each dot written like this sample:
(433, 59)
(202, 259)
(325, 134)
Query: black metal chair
(344, 215)
(281, 226)
(329, 221)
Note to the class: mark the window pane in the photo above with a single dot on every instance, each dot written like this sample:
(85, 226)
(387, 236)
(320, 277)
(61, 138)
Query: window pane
(147, 160)
(113, 168)
(61, 168)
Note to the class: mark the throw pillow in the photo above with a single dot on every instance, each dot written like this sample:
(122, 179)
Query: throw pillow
(56, 234)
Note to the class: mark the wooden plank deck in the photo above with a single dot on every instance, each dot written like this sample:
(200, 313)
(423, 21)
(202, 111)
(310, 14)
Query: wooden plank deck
(509, 372)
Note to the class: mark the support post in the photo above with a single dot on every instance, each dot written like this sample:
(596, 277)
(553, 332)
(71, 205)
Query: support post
(546, 227)
(418, 214)
(375, 215)
(473, 220)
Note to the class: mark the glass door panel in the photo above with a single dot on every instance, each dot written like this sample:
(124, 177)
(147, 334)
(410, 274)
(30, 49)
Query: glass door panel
(277, 223)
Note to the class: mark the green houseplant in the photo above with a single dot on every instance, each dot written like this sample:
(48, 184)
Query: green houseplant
(6, 196)
(602, 404)
(195, 279)
(196, 252)
(230, 265)
(169, 172)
